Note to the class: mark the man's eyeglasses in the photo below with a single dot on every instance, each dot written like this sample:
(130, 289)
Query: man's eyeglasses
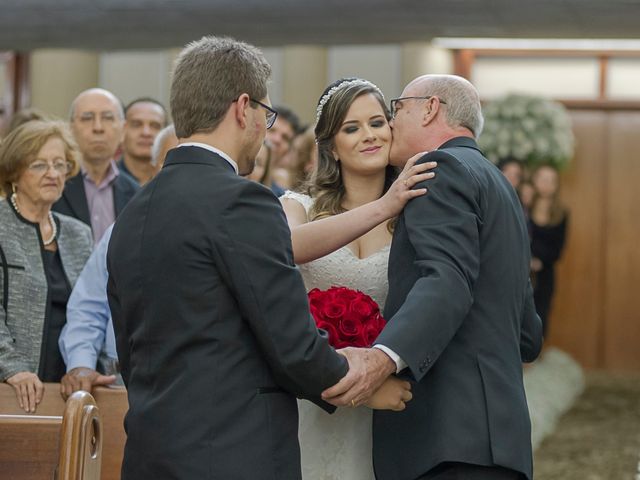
(396, 103)
(271, 113)
(40, 167)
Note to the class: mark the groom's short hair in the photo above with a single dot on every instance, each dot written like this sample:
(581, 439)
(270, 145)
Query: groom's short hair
(209, 75)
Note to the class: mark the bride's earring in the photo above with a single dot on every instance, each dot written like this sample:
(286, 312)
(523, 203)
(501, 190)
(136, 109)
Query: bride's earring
(14, 188)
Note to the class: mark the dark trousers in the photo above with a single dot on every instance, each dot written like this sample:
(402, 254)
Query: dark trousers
(465, 471)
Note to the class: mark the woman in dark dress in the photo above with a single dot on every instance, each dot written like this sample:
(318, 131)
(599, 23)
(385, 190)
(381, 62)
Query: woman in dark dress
(548, 220)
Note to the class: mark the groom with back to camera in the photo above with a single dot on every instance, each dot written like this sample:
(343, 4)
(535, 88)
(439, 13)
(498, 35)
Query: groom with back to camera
(461, 318)
(212, 323)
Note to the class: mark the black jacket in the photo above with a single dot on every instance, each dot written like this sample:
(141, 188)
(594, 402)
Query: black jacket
(74, 199)
(212, 324)
(461, 315)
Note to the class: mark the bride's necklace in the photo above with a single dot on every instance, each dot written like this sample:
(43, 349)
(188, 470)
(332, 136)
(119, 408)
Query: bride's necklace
(54, 227)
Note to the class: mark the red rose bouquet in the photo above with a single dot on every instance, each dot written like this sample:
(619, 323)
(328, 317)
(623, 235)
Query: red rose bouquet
(350, 317)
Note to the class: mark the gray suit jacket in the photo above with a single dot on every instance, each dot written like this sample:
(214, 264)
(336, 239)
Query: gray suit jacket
(213, 329)
(460, 313)
(24, 280)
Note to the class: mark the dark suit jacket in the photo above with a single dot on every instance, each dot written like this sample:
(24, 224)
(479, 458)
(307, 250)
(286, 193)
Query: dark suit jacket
(461, 315)
(212, 324)
(74, 199)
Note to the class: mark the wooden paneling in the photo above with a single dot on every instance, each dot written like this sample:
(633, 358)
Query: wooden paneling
(576, 320)
(622, 260)
(596, 312)
(29, 446)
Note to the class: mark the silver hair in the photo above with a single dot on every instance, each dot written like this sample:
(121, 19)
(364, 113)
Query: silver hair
(463, 107)
(159, 141)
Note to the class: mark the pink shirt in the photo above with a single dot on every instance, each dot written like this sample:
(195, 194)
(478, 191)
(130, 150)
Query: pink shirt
(102, 210)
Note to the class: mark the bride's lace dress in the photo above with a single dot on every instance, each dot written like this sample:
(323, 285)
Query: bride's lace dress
(338, 446)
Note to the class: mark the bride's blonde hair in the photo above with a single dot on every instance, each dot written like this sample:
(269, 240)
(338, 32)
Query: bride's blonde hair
(326, 185)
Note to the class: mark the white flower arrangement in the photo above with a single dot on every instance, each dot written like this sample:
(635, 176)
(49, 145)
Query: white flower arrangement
(531, 129)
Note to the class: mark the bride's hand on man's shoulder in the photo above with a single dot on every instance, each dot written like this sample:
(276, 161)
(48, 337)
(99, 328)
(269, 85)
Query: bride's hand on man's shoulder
(392, 395)
(401, 191)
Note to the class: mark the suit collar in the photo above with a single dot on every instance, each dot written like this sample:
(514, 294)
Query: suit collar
(460, 142)
(212, 149)
(197, 155)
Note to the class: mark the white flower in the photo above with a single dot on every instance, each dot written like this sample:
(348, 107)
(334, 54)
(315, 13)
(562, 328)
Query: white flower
(529, 128)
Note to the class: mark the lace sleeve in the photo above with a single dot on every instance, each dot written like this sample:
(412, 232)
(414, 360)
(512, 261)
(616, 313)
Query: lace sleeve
(305, 200)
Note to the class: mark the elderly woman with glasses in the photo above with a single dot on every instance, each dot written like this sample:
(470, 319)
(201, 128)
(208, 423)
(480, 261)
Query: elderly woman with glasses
(41, 255)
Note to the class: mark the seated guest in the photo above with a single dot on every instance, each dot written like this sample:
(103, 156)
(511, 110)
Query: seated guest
(100, 191)
(41, 256)
(144, 118)
(87, 341)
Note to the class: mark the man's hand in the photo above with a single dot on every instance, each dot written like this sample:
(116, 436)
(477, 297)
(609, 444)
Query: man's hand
(368, 369)
(82, 378)
(29, 390)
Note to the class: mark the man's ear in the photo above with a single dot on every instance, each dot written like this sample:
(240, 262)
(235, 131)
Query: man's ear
(430, 112)
(240, 110)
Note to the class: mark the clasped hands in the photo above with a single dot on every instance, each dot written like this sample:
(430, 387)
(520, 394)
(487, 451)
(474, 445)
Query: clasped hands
(369, 382)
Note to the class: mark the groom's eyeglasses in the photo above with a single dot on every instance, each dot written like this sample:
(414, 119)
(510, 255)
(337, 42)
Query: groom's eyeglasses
(271, 113)
(396, 103)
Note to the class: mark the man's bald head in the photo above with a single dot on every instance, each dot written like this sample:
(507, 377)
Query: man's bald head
(93, 93)
(97, 122)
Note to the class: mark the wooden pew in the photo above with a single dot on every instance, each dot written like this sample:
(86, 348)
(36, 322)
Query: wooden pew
(80, 439)
(113, 405)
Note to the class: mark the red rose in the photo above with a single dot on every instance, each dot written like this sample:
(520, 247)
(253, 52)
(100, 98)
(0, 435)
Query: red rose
(351, 318)
(369, 333)
(346, 294)
(331, 331)
(334, 311)
(362, 308)
(348, 328)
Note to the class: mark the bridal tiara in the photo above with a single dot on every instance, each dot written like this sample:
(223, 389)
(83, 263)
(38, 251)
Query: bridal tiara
(350, 83)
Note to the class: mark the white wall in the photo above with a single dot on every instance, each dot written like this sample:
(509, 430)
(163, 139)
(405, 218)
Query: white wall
(275, 57)
(134, 74)
(300, 73)
(567, 78)
(380, 64)
(623, 82)
(59, 75)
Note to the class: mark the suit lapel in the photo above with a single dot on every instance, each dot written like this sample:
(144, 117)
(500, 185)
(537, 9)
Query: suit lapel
(75, 196)
(119, 195)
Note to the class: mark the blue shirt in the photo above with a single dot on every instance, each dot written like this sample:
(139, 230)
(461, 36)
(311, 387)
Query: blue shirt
(89, 328)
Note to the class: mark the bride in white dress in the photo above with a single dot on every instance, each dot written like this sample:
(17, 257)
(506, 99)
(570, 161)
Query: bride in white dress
(341, 235)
